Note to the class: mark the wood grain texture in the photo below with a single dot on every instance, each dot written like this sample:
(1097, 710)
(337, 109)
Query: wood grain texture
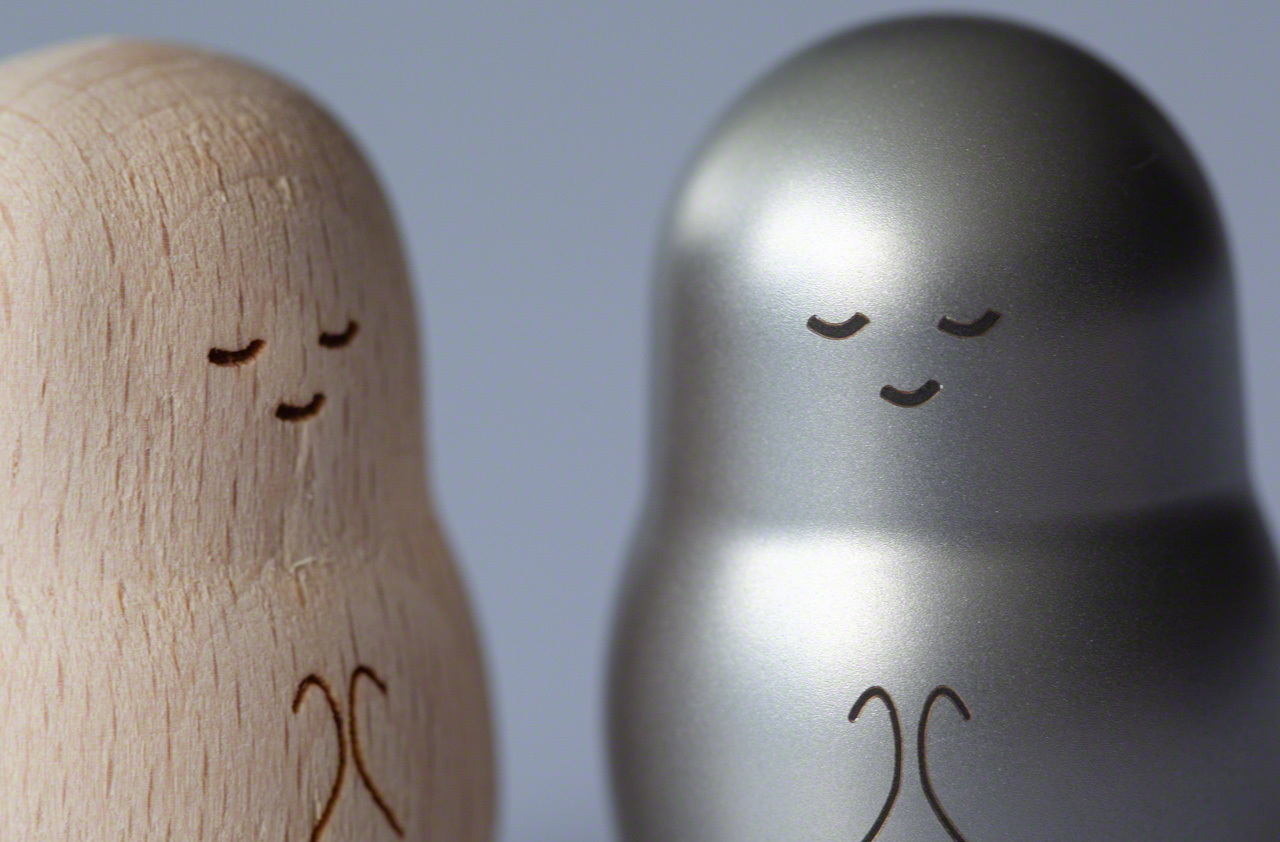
(176, 559)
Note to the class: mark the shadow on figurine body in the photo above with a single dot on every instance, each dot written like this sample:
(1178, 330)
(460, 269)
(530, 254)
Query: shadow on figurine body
(949, 417)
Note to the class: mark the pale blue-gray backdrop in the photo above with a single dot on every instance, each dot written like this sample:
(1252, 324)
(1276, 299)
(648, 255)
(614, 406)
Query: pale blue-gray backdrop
(529, 148)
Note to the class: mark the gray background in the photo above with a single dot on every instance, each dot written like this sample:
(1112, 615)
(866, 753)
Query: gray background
(529, 149)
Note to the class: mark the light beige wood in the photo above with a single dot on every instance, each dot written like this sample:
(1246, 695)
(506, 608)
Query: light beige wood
(186, 580)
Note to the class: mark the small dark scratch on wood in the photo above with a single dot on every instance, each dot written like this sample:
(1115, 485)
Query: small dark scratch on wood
(15, 608)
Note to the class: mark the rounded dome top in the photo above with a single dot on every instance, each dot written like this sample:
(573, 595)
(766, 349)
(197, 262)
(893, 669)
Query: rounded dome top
(947, 262)
(204, 312)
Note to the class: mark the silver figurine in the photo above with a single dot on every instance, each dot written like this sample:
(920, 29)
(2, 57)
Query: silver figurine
(950, 533)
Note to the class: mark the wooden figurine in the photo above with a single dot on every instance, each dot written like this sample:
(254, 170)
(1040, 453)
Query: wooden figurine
(226, 609)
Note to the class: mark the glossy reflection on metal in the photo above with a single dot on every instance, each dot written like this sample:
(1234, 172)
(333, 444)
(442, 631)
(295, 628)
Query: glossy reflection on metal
(1054, 565)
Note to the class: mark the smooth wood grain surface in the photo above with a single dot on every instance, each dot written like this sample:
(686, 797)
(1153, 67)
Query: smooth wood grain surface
(226, 611)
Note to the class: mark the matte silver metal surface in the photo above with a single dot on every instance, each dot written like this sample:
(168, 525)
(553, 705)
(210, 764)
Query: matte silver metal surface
(1056, 538)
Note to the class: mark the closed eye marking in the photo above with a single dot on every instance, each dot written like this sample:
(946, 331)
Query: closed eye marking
(221, 356)
(337, 340)
(976, 327)
(915, 398)
(843, 330)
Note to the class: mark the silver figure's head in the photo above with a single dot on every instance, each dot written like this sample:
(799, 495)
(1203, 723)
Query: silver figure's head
(950, 532)
(945, 266)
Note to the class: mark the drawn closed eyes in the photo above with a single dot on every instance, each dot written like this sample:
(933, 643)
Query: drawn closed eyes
(842, 330)
(286, 411)
(892, 394)
(856, 322)
(977, 327)
(250, 352)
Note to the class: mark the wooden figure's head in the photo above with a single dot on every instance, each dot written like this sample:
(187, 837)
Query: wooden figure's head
(205, 322)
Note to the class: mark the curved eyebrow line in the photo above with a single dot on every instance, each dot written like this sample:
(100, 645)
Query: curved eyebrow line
(337, 340)
(977, 327)
(842, 330)
(221, 356)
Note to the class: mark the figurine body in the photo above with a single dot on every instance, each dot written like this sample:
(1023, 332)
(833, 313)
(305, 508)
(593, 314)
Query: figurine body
(227, 610)
(950, 533)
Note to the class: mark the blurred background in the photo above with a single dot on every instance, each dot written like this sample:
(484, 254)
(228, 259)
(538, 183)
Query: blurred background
(529, 149)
